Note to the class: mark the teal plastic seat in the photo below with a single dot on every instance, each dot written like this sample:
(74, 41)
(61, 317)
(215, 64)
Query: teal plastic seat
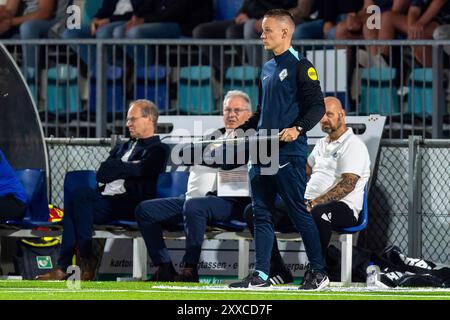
(62, 89)
(245, 78)
(420, 96)
(196, 90)
(378, 91)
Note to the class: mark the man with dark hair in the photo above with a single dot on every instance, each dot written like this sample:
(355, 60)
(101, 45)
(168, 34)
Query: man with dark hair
(127, 177)
(291, 101)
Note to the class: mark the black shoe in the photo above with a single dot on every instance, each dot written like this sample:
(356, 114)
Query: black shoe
(314, 280)
(187, 275)
(253, 280)
(281, 276)
(165, 273)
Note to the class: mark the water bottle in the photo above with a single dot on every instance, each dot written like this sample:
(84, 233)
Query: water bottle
(373, 275)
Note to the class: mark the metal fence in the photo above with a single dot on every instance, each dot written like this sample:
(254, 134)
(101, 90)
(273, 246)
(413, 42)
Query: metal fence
(82, 87)
(409, 202)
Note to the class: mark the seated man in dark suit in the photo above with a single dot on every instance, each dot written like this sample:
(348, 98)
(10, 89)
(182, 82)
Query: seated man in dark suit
(127, 177)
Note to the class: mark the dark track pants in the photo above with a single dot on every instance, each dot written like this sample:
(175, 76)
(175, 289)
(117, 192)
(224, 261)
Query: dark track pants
(289, 182)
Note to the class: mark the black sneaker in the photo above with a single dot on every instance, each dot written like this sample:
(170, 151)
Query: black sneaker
(253, 280)
(281, 276)
(314, 280)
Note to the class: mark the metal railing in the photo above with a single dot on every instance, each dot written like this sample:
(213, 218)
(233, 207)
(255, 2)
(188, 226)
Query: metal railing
(82, 87)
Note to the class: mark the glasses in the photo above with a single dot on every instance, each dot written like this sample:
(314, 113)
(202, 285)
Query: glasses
(133, 120)
(235, 110)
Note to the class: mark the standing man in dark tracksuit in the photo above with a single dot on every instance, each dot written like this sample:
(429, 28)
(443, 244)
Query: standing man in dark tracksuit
(127, 177)
(291, 102)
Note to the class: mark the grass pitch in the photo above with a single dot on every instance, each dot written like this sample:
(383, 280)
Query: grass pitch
(60, 290)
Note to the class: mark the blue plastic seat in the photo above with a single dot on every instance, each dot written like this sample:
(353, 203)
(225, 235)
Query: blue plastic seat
(245, 78)
(114, 91)
(378, 91)
(363, 218)
(232, 225)
(420, 96)
(196, 90)
(37, 214)
(151, 85)
(170, 184)
(62, 89)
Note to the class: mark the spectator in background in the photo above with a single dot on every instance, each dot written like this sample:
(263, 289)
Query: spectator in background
(15, 13)
(127, 177)
(248, 17)
(421, 20)
(253, 27)
(330, 13)
(109, 22)
(246, 25)
(162, 19)
(13, 199)
(29, 19)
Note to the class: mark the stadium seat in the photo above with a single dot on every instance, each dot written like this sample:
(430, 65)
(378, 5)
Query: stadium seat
(78, 179)
(151, 84)
(62, 89)
(37, 214)
(196, 90)
(114, 91)
(245, 78)
(420, 96)
(226, 9)
(346, 239)
(378, 91)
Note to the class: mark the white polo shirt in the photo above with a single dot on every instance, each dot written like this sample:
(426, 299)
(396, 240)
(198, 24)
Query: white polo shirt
(329, 160)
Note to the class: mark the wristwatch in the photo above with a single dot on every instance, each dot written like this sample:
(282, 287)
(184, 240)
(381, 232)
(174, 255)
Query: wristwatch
(299, 129)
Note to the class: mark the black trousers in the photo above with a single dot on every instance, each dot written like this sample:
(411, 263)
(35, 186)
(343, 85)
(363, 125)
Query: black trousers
(11, 208)
(330, 216)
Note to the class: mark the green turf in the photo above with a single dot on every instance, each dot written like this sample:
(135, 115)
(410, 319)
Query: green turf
(37, 290)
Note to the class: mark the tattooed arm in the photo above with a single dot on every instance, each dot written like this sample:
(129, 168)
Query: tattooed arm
(339, 191)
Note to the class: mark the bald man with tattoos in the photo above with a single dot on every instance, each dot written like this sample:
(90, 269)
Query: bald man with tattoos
(339, 168)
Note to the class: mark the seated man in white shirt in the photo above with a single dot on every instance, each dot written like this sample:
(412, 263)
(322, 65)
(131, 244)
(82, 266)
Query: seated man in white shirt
(339, 168)
(196, 208)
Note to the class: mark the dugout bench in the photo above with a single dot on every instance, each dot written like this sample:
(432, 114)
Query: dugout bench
(369, 128)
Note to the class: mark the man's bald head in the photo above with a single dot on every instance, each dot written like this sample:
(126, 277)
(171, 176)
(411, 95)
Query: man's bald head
(333, 120)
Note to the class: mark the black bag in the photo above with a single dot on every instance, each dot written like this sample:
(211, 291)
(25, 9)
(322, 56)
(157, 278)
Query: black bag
(36, 256)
